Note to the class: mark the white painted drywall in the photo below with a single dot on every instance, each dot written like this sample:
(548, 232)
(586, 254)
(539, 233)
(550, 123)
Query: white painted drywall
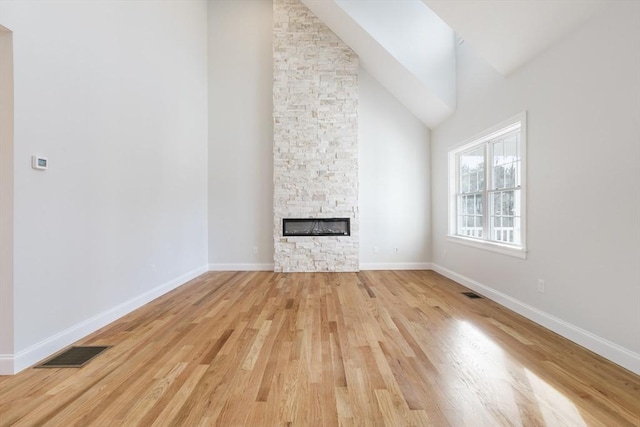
(583, 103)
(507, 34)
(394, 181)
(415, 36)
(395, 76)
(6, 197)
(115, 95)
(241, 135)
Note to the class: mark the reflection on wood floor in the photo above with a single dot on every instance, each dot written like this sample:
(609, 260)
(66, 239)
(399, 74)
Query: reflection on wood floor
(393, 348)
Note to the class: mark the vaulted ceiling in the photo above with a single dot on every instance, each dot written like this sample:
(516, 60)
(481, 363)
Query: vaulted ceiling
(409, 45)
(507, 34)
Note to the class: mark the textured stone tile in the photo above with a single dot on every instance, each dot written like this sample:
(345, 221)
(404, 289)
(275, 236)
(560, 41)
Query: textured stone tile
(315, 111)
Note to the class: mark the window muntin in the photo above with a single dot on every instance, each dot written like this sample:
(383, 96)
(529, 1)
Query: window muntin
(487, 192)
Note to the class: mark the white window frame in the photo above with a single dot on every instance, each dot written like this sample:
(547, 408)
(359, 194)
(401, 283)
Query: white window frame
(482, 139)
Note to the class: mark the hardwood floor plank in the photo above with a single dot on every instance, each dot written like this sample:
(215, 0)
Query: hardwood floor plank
(394, 348)
(167, 409)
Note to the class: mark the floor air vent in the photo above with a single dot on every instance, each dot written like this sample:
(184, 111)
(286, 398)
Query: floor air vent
(471, 295)
(75, 357)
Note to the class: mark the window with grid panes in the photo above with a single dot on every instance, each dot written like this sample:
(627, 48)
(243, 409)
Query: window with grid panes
(487, 188)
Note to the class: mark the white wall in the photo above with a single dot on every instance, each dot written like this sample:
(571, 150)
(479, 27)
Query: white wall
(241, 135)
(416, 37)
(352, 22)
(6, 192)
(582, 98)
(115, 95)
(394, 181)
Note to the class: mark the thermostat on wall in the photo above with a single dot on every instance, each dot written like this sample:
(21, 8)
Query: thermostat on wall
(38, 162)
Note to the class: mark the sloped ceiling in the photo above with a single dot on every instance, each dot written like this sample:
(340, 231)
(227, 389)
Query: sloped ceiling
(409, 45)
(509, 33)
(404, 45)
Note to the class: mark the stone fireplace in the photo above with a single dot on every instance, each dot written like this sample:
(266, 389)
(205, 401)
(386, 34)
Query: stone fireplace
(315, 143)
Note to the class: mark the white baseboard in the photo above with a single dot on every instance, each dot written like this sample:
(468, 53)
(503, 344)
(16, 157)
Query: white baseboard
(607, 349)
(6, 364)
(395, 266)
(14, 363)
(363, 266)
(241, 267)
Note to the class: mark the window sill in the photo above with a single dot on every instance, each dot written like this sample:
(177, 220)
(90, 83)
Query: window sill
(489, 246)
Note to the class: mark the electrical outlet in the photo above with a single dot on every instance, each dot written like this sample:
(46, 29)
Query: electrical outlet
(444, 253)
(396, 250)
(541, 285)
(255, 249)
(376, 249)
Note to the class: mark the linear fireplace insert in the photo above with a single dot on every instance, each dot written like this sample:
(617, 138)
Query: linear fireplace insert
(316, 227)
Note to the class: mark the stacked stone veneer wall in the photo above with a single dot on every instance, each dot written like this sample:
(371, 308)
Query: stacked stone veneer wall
(315, 159)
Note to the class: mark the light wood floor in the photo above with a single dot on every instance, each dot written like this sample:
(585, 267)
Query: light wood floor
(326, 349)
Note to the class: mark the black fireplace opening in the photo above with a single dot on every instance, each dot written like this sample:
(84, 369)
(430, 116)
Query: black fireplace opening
(316, 227)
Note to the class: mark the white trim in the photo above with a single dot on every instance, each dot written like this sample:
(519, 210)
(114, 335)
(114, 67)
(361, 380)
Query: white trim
(605, 348)
(6, 364)
(242, 267)
(489, 246)
(517, 122)
(395, 266)
(14, 363)
(494, 131)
